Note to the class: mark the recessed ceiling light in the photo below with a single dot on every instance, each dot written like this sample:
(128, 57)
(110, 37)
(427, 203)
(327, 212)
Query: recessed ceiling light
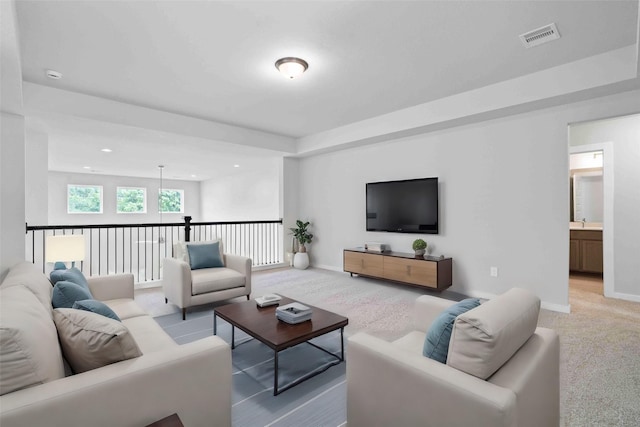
(106, 150)
(292, 67)
(193, 175)
(86, 167)
(236, 166)
(52, 74)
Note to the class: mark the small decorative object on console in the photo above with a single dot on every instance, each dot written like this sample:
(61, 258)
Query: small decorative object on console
(294, 313)
(375, 247)
(267, 300)
(419, 246)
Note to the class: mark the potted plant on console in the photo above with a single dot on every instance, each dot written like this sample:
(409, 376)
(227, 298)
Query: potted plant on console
(419, 246)
(302, 235)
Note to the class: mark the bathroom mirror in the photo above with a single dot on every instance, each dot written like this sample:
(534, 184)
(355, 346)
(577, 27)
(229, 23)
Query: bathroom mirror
(587, 196)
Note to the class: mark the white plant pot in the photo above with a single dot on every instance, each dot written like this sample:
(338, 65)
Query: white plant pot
(301, 260)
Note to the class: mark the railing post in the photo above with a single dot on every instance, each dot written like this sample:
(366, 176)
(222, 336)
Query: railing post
(187, 228)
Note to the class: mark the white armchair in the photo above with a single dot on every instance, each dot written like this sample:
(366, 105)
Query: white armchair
(394, 384)
(187, 288)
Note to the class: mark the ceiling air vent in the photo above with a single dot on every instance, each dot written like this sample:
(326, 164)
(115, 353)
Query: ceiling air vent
(539, 36)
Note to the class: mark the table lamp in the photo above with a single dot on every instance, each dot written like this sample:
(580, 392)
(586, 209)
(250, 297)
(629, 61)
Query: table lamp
(61, 249)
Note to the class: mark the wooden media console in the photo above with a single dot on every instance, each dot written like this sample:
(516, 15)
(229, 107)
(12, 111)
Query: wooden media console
(428, 272)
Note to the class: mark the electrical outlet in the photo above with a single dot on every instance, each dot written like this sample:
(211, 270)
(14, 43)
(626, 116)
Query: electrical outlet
(494, 271)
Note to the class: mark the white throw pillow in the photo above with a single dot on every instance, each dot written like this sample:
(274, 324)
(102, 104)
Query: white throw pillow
(90, 340)
(29, 349)
(31, 277)
(486, 337)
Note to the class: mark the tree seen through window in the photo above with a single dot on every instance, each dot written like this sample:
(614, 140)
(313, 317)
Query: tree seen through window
(84, 199)
(171, 201)
(131, 200)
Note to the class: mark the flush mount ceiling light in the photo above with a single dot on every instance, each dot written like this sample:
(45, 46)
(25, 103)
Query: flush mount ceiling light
(106, 150)
(292, 67)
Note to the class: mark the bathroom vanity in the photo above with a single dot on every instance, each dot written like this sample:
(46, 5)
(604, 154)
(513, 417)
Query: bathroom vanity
(585, 250)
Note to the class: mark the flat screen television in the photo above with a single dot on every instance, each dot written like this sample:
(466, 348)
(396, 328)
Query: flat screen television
(409, 206)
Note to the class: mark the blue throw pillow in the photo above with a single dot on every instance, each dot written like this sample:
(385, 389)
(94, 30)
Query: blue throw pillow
(205, 256)
(436, 344)
(71, 275)
(96, 306)
(66, 293)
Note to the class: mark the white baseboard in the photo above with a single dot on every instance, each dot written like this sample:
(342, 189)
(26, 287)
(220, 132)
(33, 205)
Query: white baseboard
(561, 308)
(546, 305)
(148, 284)
(270, 266)
(477, 294)
(626, 297)
(329, 267)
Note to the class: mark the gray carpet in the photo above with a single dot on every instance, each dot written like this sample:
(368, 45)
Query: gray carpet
(600, 349)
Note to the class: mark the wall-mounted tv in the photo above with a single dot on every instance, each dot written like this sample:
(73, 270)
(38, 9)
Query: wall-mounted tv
(409, 206)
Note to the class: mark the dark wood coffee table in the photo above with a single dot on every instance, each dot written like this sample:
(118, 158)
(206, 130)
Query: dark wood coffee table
(262, 324)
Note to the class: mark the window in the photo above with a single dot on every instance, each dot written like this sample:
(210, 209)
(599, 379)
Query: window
(84, 199)
(171, 201)
(131, 200)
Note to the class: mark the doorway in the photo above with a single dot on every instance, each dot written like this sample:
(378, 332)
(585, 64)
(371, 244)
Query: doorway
(586, 207)
(591, 215)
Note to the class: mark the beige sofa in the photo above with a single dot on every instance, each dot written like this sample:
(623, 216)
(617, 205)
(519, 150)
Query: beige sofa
(192, 380)
(501, 370)
(187, 288)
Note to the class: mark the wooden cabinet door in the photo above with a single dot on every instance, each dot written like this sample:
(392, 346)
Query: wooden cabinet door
(365, 264)
(417, 272)
(591, 256)
(574, 255)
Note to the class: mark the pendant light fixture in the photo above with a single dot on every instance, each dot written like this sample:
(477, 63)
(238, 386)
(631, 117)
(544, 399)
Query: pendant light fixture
(291, 67)
(160, 237)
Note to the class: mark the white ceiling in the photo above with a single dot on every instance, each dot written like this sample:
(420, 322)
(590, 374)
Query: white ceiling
(76, 146)
(214, 60)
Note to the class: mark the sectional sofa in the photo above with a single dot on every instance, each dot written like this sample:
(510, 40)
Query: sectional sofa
(38, 388)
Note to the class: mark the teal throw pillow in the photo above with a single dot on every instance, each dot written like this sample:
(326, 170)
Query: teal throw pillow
(71, 275)
(205, 256)
(436, 344)
(65, 294)
(96, 306)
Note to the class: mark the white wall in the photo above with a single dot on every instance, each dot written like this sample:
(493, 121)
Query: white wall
(36, 177)
(58, 215)
(245, 196)
(495, 210)
(289, 199)
(624, 133)
(12, 145)
(12, 198)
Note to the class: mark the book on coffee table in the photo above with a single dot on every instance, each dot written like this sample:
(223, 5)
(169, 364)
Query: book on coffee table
(294, 313)
(267, 300)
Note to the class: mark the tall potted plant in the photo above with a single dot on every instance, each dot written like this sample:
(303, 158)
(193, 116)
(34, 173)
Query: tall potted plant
(303, 236)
